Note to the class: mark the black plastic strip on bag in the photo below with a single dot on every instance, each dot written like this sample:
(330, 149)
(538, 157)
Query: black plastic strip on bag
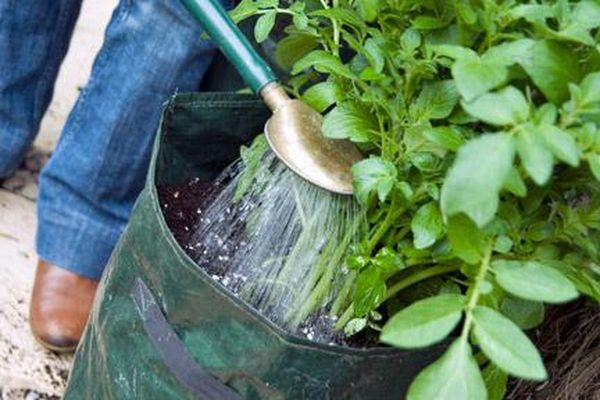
(172, 350)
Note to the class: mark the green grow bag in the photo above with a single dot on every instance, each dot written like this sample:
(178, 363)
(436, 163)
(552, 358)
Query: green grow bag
(161, 328)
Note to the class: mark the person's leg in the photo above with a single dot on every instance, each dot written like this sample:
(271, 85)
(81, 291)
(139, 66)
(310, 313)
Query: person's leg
(34, 37)
(87, 190)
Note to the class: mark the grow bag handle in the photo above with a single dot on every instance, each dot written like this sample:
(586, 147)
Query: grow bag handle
(173, 352)
(232, 42)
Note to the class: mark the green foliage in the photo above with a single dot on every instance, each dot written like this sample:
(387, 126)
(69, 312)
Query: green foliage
(454, 376)
(427, 226)
(467, 241)
(373, 175)
(424, 322)
(506, 345)
(349, 121)
(264, 26)
(480, 122)
(533, 280)
(526, 314)
(496, 381)
(478, 174)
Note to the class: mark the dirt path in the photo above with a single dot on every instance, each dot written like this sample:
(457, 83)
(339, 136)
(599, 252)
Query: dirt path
(26, 370)
(23, 363)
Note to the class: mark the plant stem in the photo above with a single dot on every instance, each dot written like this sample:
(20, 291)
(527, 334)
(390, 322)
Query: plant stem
(401, 285)
(336, 32)
(474, 294)
(336, 29)
(418, 277)
(386, 224)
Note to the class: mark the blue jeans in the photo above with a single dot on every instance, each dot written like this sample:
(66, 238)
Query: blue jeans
(87, 190)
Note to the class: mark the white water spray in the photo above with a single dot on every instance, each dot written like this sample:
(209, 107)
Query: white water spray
(280, 246)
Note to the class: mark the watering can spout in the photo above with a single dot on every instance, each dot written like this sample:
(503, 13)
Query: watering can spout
(274, 96)
(294, 131)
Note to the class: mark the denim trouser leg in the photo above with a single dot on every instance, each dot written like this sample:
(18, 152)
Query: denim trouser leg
(34, 37)
(87, 190)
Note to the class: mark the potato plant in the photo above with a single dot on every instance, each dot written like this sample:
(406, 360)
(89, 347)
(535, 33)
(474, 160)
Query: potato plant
(480, 122)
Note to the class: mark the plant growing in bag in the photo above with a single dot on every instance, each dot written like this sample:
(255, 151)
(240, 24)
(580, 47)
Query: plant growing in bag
(481, 125)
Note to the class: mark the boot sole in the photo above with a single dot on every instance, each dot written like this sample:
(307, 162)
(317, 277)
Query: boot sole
(51, 347)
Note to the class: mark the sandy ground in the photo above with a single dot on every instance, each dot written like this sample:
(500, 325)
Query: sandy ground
(26, 370)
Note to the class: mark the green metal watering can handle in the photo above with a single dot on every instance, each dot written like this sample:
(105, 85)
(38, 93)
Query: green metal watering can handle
(232, 42)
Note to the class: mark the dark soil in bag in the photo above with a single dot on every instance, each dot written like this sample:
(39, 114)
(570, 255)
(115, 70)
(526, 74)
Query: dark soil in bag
(182, 206)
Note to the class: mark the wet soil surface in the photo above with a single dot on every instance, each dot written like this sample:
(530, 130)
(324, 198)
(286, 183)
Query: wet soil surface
(182, 206)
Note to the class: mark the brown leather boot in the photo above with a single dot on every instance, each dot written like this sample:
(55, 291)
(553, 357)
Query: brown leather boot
(60, 304)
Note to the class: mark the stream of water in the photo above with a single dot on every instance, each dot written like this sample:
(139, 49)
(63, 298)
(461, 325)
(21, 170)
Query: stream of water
(280, 247)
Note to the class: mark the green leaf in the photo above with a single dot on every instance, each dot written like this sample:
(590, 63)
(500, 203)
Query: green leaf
(454, 376)
(425, 322)
(532, 280)
(546, 114)
(536, 13)
(526, 314)
(297, 6)
(267, 3)
(321, 96)
(368, 9)
(344, 16)
(264, 26)
(586, 14)
(540, 231)
(514, 183)
(561, 144)
(509, 53)
(292, 48)
(467, 241)
(410, 39)
(369, 292)
(535, 155)
(465, 12)
(245, 9)
(427, 225)
(505, 107)
(323, 62)
(427, 22)
(455, 52)
(446, 137)
(355, 325)
(496, 382)
(503, 244)
(300, 21)
(552, 66)
(477, 176)
(475, 76)
(506, 345)
(388, 260)
(594, 163)
(590, 89)
(373, 175)
(374, 54)
(436, 100)
(576, 25)
(348, 121)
